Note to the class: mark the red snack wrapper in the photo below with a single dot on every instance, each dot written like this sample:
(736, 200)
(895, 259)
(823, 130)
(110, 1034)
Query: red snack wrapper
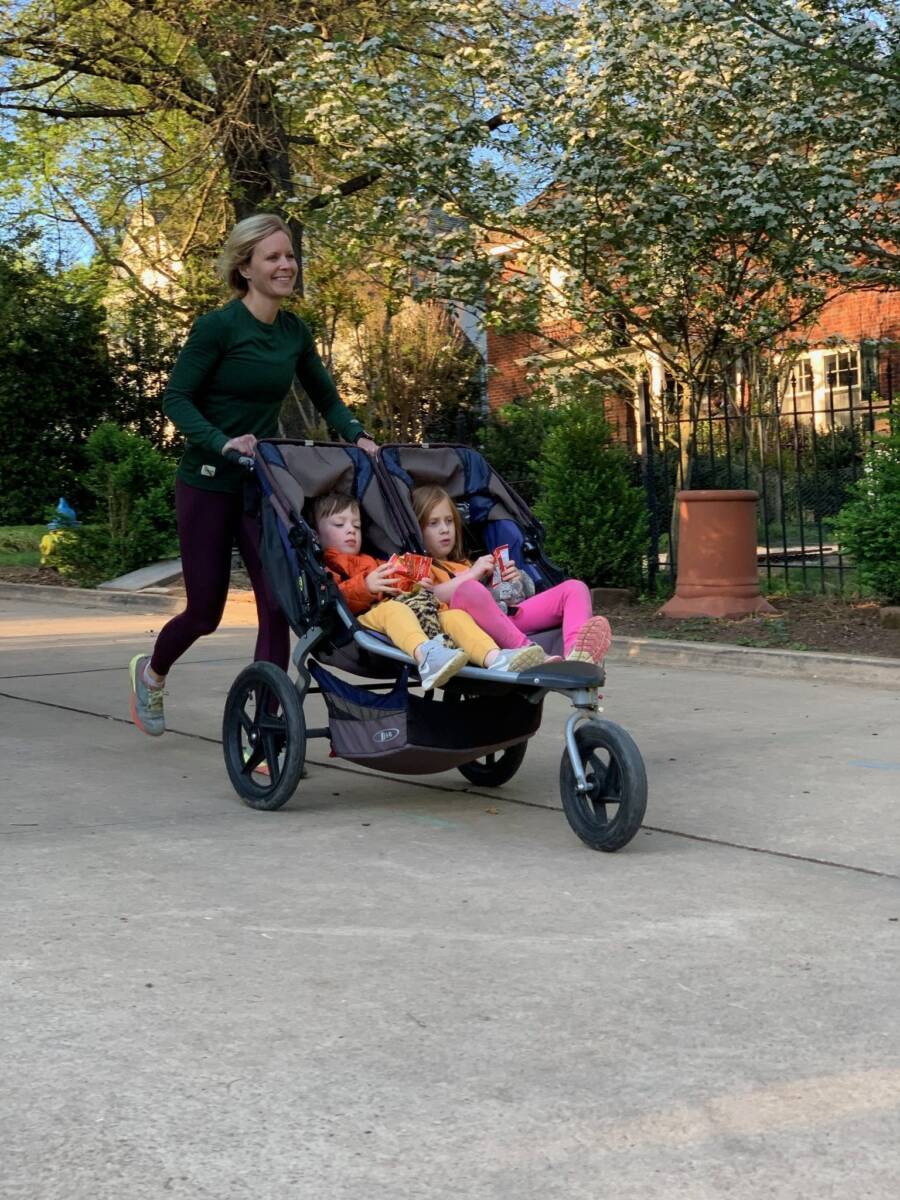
(501, 560)
(411, 569)
(418, 566)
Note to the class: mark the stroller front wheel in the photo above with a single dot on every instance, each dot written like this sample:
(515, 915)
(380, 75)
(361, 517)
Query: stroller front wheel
(263, 736)
(609, 813)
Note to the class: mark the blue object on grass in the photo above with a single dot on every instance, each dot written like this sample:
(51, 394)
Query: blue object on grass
(65, 517)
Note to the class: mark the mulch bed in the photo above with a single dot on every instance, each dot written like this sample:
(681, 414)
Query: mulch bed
(47, 576)
(802, 623)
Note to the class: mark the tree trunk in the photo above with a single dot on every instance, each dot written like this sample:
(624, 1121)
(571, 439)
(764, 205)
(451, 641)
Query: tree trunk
(257, 155)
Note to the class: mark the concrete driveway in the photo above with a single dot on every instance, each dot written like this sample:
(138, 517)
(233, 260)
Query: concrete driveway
(403, 988)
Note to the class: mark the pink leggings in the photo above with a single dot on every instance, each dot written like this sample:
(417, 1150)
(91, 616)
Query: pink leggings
(568, 604)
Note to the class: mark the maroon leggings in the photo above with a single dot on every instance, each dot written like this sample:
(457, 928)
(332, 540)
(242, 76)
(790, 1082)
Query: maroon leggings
(208, 525)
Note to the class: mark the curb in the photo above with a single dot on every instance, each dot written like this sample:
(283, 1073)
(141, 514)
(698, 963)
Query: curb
(651, 652)
(865, 671)
(89, 598)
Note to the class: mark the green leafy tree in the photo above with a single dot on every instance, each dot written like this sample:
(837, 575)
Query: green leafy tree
(143, 344)
(869, 526)
(215, 109)
(678, 179)
(56, 383)
(596, 517)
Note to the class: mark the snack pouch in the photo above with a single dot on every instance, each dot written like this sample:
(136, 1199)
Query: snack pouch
(506, 593)
(411, 569)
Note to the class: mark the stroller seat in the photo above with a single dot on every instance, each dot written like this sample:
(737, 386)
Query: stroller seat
(301, 471)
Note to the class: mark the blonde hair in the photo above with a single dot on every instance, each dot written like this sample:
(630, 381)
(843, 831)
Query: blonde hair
(240, 244)
(425, 500)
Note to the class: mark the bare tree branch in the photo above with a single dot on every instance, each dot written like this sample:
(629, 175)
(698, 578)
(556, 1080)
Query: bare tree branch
(78, 111)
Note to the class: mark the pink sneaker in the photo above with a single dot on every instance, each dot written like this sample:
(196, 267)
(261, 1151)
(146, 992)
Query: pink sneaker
(591, 642)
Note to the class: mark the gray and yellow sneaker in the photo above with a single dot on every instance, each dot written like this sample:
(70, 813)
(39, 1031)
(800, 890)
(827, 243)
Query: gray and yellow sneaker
(519, 659)
(146, 702)
(440, 663)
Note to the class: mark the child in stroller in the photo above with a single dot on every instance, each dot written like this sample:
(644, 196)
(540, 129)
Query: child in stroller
(370, 589)
(461, 583)
(482, 720)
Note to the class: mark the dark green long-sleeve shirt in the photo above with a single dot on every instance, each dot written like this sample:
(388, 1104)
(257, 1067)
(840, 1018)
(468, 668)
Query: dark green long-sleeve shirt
(231, 377)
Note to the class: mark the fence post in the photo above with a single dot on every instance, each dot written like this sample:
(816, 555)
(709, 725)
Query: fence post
(649, 473)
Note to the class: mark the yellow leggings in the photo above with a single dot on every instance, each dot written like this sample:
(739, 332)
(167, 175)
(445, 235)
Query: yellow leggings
(401, 625)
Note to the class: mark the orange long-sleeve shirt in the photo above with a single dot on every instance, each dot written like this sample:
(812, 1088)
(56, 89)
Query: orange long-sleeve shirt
(350, 571)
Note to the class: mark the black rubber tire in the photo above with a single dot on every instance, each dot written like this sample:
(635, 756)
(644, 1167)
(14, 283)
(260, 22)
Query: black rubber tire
(619, 780)
(495, 769)
(274, 732)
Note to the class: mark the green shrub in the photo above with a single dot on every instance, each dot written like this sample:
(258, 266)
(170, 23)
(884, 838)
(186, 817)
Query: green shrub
(512, 440)
(133, 522)
(868, 527)
(596, 517)
(20, 545)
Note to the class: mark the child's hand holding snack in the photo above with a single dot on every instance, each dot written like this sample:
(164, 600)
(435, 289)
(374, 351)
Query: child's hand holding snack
(384, 580)
(507, 587)
(482, 566)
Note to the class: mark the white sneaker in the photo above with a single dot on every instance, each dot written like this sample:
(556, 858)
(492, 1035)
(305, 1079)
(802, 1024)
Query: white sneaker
(440, 663)
(519, 659)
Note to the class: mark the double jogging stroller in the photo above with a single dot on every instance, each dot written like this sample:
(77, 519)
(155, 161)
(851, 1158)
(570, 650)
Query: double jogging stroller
(482, 722)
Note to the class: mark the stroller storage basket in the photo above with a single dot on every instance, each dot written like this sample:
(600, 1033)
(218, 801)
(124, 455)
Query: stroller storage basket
(411, 735)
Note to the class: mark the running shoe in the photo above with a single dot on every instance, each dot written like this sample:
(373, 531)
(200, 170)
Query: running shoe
(146, 702)
(440, 663)
(519, 659)
(591, 642)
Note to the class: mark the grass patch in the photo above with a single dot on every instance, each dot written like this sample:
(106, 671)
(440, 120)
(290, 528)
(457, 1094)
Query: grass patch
(20, 545)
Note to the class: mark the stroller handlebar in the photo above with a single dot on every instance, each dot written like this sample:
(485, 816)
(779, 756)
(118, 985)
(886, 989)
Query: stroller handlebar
(242, 460)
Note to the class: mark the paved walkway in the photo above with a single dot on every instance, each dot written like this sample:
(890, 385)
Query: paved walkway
(399, 988)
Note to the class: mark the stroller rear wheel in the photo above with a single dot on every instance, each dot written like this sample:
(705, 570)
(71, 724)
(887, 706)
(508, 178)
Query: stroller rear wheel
(609, 813)
(496, 768)
(263, 736)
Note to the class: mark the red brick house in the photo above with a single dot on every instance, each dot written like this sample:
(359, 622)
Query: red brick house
(853, 355)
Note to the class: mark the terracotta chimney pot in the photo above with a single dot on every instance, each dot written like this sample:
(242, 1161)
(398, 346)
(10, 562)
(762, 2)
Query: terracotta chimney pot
(717, 570)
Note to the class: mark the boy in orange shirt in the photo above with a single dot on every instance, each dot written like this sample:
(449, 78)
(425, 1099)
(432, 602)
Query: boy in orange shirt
(368, 586)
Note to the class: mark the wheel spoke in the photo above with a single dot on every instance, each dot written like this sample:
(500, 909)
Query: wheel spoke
(613, 787)
(271, 724)
(595, 772)
(271, 745)
(256, 757)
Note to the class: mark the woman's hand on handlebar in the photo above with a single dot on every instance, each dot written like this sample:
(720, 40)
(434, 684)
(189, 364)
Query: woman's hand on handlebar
(245, 444)
(366, 443)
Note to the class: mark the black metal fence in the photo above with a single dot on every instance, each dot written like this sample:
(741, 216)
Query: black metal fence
(801, 451)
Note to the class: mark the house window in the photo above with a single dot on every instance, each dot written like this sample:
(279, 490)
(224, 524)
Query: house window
(802, 376)
(842, 370)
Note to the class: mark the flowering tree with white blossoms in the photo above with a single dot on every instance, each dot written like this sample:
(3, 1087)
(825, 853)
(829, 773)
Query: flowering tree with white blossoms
(679, 179)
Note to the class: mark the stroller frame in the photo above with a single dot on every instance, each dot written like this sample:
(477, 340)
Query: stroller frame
(264, 733)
